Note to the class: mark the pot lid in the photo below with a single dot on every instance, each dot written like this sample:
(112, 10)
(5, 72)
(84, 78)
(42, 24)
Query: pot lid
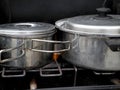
(26, 30)
(101, 24)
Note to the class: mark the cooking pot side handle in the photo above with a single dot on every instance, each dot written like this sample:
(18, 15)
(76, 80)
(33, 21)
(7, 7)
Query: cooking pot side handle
(11, 59)
(113, 43)
(69, 43)
(9, 50)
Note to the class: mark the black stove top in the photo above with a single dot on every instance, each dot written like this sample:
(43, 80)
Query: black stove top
(56, 75)
(108, 87)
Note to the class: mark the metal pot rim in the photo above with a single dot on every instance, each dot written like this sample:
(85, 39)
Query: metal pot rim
(92, 30)
(27, 30)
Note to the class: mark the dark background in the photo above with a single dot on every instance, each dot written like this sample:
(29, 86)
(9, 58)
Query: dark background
(47, 10)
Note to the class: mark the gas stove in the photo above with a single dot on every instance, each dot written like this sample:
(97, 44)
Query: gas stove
(58, 74)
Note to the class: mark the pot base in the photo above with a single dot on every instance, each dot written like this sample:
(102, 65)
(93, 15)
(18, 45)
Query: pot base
(26, 67)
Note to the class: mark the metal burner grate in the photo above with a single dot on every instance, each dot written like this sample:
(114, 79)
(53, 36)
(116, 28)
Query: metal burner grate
(53, 69)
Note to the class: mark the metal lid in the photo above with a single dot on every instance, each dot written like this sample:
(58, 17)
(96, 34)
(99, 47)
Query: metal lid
(91, 25)
(27, 30)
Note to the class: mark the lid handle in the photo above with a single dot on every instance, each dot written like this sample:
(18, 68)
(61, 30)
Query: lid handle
(103, 11)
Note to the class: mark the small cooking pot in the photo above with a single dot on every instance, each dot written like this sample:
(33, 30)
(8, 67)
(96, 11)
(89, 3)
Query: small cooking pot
(27, 45)
(98, 40)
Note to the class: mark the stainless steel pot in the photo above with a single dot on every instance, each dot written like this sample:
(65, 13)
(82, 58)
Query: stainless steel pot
(98, 40)
(27, 45)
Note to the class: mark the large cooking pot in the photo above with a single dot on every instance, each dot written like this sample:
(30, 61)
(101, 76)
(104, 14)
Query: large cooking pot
(27, 45)
(98, 40)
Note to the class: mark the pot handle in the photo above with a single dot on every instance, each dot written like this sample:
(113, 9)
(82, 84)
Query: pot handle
(113, 43)
(55, 42)
(10, 49)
